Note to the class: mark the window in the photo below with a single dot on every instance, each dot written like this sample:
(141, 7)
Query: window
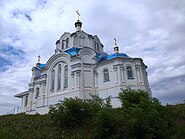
(52, 80)
(129, 72)
(59, 77)
(67, 42)
(82, 39)
(97, 46)
(65, 76)
(26, 101)
(37, 93)
(105, 75)
(62, 44)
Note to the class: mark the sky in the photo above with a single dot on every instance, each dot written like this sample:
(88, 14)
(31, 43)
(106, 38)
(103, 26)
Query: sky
(153, 30)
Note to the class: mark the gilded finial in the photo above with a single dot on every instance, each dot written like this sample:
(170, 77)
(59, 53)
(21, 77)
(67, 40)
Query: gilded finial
(39, 57)
(78, 14)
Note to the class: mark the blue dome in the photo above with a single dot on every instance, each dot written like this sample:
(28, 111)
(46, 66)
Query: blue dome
(72, 51)
(111, 56)
(42, 66)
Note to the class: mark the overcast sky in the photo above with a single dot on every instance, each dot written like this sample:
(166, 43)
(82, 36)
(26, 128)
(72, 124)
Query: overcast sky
(153, 30)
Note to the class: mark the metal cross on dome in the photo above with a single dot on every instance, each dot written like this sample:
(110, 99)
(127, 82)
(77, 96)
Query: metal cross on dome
(39, 57)
(78, 14)
(115, 41)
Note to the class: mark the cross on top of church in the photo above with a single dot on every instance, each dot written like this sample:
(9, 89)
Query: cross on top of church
(115, 41)
(39, 57)
(78, 14)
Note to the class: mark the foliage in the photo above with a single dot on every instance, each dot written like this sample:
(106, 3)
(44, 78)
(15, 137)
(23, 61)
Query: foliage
(177, 116)
(177, 111)
(140, 117)
(22, 126)
(75, 111)
(108, 124)
(70, 112)
(26, 126)
(131, 97)
(145, 117)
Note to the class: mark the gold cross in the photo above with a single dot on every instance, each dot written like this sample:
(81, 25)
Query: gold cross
(39, 58)
(78, 14)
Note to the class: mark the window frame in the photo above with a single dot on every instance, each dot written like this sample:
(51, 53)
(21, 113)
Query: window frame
(129, 71)
(52, 80)
(106, 77)
(65, 77)
(37, 92)
(59, 76)
(67, 43)
(26, 101)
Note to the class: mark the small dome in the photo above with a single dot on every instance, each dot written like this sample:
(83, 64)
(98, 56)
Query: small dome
(116, 55)
(78, 25)
(72, 51)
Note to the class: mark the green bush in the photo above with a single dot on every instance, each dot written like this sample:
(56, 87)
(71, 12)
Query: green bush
(70, 112)
(75, 111)
(109, 124)
(22, 126)
(145, 117)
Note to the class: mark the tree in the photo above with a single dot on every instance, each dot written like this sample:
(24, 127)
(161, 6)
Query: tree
(75, 111)
(145, 117)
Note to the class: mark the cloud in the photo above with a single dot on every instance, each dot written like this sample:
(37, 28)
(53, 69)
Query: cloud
(153, 30)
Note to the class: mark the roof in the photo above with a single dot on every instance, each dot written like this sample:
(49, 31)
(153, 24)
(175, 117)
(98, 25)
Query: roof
(38, 69)
(115, 55)
(20, 95)
(73, 51)
(42, 66)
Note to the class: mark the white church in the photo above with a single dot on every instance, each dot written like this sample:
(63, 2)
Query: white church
(79, 67)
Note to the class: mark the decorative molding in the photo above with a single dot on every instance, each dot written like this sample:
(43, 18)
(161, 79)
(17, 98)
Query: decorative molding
(76, 65)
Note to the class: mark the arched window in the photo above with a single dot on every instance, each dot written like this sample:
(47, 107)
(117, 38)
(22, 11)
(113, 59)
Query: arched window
(37, 93)
(106, 75)
(67, 42)
(97, 46)
(129, 72)
(65, 76)
(63, 44)
(82, 40)
(59, 77)
(52, 80)
(26, 101)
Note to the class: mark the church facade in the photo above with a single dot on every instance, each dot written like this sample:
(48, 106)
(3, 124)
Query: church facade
(79, 67)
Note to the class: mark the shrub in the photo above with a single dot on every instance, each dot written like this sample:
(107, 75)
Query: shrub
(75, 111)
(70, 112)
(109, 124)
(145, 116)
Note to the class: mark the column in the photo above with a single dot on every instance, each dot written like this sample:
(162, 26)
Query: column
(22, 104)
(138, 74)
(119, 75)
(95, 79)
(78, 79)
(73, 80)
(56, 79)
(122, 75)
(116, 72)
(62, 76)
